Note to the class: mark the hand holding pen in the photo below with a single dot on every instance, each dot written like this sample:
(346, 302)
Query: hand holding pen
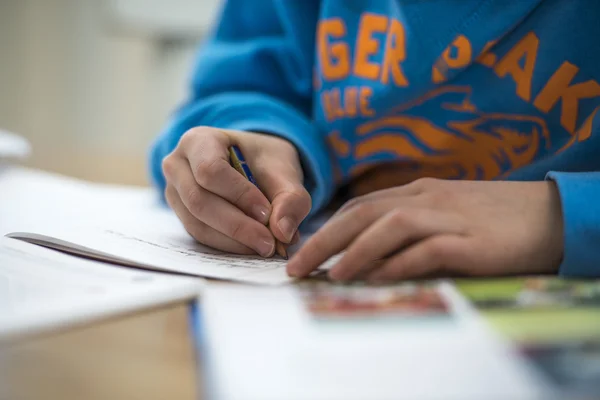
(221, 207)
(238, 161)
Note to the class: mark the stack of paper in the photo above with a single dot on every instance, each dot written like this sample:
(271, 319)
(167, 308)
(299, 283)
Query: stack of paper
(122, 225)
(41, 290)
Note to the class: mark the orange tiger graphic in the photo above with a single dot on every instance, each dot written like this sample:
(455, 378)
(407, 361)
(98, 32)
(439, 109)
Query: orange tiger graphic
(470, 145)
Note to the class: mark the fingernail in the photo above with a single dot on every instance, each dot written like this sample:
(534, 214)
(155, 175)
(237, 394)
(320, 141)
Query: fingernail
(265, 247)
(261, 214)
(287, 228)
(292, 269)
(296, 238)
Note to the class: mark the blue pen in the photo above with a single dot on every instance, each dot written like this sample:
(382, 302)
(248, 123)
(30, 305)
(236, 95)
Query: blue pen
(238, 162)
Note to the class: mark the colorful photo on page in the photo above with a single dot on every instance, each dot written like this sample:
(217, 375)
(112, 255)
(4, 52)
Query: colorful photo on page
(328, 301)
(553, 323)
(537, 309)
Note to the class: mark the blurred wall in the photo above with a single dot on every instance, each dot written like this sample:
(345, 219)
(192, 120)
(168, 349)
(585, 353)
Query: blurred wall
(89, 96)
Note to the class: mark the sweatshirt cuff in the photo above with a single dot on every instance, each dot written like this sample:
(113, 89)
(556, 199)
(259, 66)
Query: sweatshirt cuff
(260, 113)
(579, 194)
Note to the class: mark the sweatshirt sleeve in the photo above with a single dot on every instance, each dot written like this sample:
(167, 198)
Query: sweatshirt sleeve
(580, 199)
(255, 74)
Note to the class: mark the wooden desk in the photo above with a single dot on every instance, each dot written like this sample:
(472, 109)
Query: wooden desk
(146, 356)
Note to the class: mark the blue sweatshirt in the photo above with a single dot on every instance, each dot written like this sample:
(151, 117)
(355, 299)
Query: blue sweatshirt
(454, 89)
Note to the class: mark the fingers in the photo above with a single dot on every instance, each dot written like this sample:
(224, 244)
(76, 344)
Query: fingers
(435, 254)
(199, 230)
(216, 212)
(290, 201)
(208, 153)
(392, 233)
(408, 190)
(289, 210)
(332, 238)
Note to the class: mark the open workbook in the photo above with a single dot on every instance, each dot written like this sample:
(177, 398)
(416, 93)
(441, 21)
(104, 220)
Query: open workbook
(157, 243)
(160, 251)
(122, 226)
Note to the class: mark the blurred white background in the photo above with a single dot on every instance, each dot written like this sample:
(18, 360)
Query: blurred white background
(90, 83)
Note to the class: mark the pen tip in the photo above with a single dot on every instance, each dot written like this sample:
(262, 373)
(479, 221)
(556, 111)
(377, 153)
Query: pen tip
(282, 251)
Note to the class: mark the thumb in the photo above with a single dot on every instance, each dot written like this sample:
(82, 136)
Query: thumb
(290, 207)
(290, 202)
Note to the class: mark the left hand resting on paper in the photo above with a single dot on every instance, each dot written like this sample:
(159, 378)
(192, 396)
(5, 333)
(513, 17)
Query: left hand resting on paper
(435, 226)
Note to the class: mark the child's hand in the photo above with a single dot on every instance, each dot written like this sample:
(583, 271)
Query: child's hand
(434, 226)
(221, 208)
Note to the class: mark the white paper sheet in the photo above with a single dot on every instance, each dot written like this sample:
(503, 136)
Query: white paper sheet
(41, 289)
(13, 147)
(30, 199)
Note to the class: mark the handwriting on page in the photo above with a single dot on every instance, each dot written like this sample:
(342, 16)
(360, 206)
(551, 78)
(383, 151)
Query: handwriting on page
(206, 254)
